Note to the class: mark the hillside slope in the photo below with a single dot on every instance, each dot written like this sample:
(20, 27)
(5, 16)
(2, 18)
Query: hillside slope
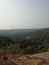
(36, 59)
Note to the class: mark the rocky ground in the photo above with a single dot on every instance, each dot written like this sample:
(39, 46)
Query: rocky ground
(36, 59)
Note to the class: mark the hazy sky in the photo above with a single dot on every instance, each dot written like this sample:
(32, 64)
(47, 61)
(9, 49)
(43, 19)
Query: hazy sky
(24, 14)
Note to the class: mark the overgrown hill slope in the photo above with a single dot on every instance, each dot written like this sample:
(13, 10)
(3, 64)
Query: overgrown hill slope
(28, 43)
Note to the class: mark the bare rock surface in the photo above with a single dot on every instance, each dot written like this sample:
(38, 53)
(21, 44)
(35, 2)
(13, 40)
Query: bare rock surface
(36, 59)
(6, 62)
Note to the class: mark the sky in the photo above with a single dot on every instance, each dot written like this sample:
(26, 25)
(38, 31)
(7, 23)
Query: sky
(24, 14)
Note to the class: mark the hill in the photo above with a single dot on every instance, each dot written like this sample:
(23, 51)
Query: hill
(28, 43)
(17, 32)
(24, 47)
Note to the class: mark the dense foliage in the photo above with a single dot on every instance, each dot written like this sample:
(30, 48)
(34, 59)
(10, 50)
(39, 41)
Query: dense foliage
(29, 43)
